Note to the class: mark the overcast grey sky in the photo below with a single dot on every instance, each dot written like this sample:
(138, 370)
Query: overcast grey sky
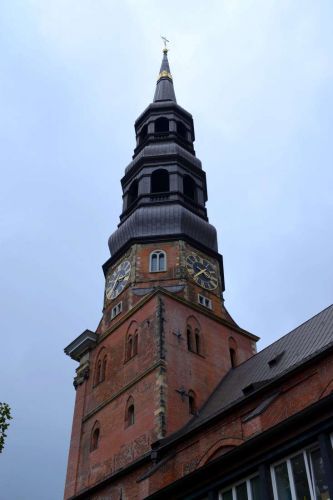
(256, 75)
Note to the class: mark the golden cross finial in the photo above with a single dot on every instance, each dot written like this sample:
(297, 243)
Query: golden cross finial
(165, 41)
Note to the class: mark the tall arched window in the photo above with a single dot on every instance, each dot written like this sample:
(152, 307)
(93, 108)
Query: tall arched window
(129, 347)
(104, 368)
(189, 338)
(132, 341)
(130, 412)
(100, 367)
(192, 407)
(94, 440)
(161, 125)
(157, 261)
(197, 341)
(193, 336)
(135, 343)
(233, 352)
(132, 193)
(181, 129)
(143, 133)
(160, 181)
(189, 187)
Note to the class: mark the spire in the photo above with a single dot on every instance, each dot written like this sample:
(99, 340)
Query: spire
(164, 87)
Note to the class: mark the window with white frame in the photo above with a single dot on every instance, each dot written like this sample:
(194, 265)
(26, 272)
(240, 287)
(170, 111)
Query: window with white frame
(116, 310)
(203, 301)
(157, 261)
(300, 476)
(248, 489)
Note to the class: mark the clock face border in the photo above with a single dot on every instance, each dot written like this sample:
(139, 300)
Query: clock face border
(117, 280)
(202, 271)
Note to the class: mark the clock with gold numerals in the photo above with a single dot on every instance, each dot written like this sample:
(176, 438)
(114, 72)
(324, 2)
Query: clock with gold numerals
(201, 271)
(117, 280)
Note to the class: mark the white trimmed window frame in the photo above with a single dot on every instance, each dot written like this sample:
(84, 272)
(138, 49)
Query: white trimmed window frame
(233, 488)
(158, 254)
(306, 452)
(117, 309)
(204, 301)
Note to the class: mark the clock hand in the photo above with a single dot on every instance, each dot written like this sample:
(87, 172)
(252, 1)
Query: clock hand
(202, 271)
(114, 284)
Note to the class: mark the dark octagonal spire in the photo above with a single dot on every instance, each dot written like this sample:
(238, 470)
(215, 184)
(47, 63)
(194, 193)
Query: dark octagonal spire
(164, 87)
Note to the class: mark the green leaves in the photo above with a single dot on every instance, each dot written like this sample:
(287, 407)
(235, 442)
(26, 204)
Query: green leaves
(5, 416)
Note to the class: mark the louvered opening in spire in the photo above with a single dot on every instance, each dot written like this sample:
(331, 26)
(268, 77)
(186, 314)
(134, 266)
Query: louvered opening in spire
(164, 87)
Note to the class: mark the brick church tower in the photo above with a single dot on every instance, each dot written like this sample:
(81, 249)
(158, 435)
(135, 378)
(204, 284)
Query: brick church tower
(165, 339)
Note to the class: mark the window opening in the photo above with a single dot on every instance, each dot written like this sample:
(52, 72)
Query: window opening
(181, 129)
(191, 403)
(204, 301)
(189, 339)
(103, 368)
(189, 187)
(133, 193)
(160, 181)
(130, 412)
(135, 344)
(300, 476)
(197, 341)
(161, 125)
(157, 261)
(232, 353)
(248, 489)
(94, 439)
(99, 372)
(117, 309)
(143, 133)
(129, 347)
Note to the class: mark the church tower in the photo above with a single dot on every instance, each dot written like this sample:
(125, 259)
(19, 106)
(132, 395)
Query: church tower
(165, 339)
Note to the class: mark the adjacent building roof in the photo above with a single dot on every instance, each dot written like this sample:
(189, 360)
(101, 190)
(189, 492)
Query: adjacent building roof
(294, 349)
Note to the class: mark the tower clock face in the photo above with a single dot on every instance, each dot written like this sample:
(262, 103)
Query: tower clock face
(116, 281)
(201, 271)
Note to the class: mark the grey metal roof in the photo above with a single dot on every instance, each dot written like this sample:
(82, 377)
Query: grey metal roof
(163, 220)
(159, 150)
(290, 351)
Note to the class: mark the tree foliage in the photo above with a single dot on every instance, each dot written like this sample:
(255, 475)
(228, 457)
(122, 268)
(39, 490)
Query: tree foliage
(5, 416)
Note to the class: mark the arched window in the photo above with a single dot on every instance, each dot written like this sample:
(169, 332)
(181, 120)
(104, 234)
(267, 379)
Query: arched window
(181, 129)
(132, 193)
(103, 368)
(189, 338)
(129, 347)
(197, 341)
(99, 372)
(194, 336)
(132, 341)
(143, 133)
(100, 366)
(192, 407)
(233, 352)
(130, 412)
(135, 343)
(94, 441)
(189, 187)
(157, 261)
(161, 125)
(160, 181)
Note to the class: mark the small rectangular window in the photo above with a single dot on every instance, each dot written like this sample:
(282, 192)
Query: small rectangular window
(116, 310)
(204, 301)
